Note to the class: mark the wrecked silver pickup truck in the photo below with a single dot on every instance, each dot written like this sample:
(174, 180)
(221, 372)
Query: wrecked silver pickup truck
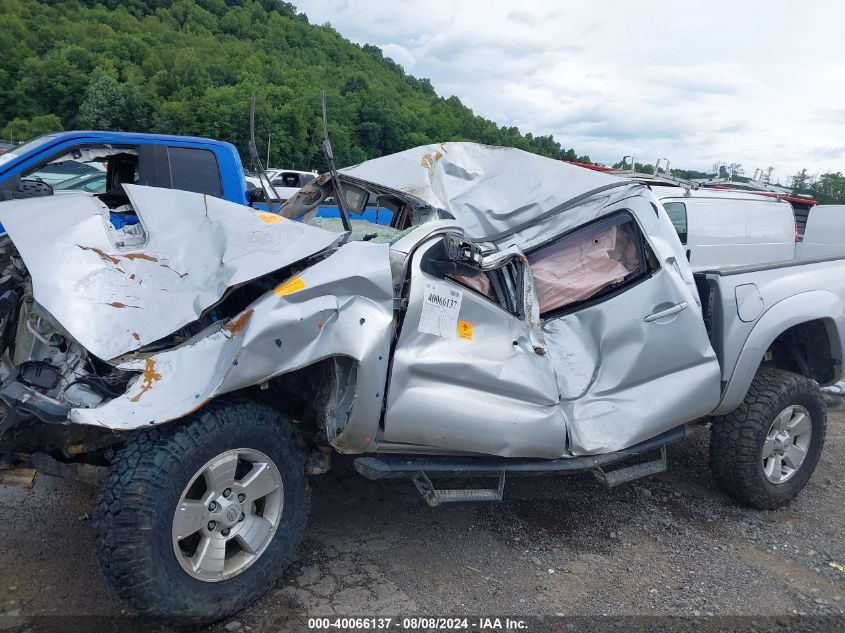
(519, 316)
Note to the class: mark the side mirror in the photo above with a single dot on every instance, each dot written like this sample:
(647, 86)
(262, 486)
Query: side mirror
(453, 256)
(30, 188)
(256, 195)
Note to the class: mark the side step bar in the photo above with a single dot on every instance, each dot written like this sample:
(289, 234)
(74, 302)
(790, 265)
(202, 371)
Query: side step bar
(399, 466)
(419, 468)
(434, 497)
(630, 473)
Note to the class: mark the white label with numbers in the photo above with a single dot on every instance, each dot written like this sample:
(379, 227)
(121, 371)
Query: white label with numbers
(440, 309)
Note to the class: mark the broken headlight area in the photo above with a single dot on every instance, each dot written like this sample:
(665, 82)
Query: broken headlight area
(232, 305)
(44, 372)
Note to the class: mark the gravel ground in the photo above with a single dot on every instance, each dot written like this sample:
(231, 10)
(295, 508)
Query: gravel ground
(670, 545)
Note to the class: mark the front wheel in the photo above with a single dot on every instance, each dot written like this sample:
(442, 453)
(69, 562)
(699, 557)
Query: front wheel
(764, 452)
(199, 518)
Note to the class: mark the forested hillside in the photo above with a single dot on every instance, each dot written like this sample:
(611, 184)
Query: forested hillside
(185, 67)
(190, 67)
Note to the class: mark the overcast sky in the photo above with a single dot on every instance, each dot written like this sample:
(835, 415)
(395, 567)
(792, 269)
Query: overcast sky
(759, 83)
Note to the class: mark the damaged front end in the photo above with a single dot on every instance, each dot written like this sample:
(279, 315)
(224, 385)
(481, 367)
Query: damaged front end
(44, 374)
(95, 318)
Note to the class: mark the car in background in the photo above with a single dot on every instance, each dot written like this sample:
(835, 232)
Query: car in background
(56, 172)
(292, 178)
(285, 181)
(720, 227)
(88, 183)
(824, 233)
(188, 163)
(722, 222)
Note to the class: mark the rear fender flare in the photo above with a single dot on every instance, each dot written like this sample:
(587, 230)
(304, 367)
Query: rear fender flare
(807, 306)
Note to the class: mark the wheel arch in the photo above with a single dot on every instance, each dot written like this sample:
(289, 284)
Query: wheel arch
(320, 396)
(802, 334)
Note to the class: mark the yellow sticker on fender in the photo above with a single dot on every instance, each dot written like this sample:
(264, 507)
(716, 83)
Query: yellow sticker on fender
(290, 286)
(269, 218)
(465, 330)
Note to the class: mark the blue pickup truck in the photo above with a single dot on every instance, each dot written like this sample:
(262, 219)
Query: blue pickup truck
(175, 162)
(100, 162)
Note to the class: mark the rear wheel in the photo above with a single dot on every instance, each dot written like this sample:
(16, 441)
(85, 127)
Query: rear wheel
(764, 452)
(199, 518)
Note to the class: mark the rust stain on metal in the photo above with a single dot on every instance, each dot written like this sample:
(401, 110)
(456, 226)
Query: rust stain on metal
(101, 253)
(427, 163)
(132, 276)
(149, 377)
(143, 256)
(136, 336)
(236, 325)
(118, 304)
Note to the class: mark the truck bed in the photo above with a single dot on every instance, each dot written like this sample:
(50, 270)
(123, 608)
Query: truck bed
(746, 308)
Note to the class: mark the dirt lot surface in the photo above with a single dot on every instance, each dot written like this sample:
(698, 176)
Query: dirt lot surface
(669, 545)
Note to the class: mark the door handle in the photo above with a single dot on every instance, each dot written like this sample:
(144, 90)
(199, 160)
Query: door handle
(655, 316)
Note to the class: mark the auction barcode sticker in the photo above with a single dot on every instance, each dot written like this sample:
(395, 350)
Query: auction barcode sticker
(440, 309)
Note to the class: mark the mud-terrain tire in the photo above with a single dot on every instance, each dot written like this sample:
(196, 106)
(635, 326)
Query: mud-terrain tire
(739, 440)
(136, 518)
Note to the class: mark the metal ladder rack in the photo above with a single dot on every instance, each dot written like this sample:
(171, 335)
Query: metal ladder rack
(657, 178)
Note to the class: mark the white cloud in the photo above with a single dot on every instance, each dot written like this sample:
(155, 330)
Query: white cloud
(399, 54)
(761, 83)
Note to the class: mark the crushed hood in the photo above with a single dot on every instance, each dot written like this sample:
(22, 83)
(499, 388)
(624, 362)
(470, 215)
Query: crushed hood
(114, 300)
(489, 190)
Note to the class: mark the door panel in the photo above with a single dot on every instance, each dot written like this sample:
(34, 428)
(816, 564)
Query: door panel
(635, 360)
(631, 379)
(485, 390)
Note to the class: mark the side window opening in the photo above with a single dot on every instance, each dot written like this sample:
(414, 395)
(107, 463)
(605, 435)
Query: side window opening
(588, 264)
(480, 284)
(677, 212)
(502, 286)
(121, 169)
(94, 169)
(78, 166)
(288, 179)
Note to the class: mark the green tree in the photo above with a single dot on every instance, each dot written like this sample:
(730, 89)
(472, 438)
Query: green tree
(190, 67)
(16, 130)
(800, 182)
(109, 105)
(20, 129)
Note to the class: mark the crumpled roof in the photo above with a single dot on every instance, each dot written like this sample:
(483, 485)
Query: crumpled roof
(489, 190)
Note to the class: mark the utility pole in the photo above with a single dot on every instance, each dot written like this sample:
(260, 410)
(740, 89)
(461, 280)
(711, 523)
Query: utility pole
(268, 150)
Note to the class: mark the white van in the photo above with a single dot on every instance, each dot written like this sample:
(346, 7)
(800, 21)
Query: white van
(824, 233)
(727, 228)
